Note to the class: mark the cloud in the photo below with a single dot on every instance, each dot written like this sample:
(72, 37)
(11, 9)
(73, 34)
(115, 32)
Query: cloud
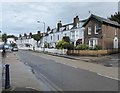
(59, 0)
(22, 17)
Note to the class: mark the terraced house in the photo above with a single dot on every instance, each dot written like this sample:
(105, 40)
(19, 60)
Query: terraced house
(102, 32)
(73, 30)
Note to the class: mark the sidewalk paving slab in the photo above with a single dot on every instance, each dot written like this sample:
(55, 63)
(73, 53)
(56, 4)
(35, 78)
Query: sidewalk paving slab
(20, 75)
(0, 73)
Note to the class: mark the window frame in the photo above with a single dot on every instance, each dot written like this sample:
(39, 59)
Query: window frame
(89, 30)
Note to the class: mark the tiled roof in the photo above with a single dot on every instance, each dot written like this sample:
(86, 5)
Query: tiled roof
(102, 20)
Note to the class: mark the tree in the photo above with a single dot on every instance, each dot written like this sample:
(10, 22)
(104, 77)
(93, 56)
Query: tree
(66, 39)
(12, 36)
(64, 45)
(115, 17)
(4, 37)
(37, 37)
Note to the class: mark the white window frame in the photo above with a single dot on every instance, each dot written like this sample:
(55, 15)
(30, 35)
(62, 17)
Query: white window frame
(89, 31)
(96, 30)
(94, 42)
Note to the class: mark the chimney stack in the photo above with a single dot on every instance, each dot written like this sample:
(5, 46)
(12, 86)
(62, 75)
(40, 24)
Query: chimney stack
(59, 25)
(48, 29)
(75, 21)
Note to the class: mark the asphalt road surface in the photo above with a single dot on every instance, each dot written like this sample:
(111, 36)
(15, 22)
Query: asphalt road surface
(64, 77)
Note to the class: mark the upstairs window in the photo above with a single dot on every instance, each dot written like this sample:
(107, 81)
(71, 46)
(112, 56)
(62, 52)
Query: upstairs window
(89, 31)
(58, 37)
(97, 28)
(51, 37)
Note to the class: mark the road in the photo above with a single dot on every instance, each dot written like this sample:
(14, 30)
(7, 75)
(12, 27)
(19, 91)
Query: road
(65, 77)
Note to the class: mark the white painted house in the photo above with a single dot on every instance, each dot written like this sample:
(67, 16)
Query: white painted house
(23, 42)
(11, 40)
(73, 30)
(53, 36)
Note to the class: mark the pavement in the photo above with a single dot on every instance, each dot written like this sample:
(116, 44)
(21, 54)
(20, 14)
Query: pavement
(108, 60)
(0, 73)
(21, 77)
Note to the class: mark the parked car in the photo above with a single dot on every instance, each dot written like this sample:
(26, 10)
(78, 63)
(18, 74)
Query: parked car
(14, 49)
(6, 46)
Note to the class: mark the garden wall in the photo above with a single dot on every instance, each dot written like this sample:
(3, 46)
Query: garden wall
(92, 52)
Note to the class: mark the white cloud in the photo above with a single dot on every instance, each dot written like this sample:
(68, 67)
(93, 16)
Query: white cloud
(59, 0)
(22, 17)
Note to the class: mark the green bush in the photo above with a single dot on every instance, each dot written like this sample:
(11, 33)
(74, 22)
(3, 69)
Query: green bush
(13, 44)
(82, 47)
(97, 47)
(66, 39)
(64, 45)
(59, 44)
(71, 47)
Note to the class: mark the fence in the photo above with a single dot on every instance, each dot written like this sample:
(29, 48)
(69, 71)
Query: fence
(56, 51)
(92, 52)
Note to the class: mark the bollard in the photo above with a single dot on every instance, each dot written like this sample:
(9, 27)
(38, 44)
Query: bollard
(7, 77)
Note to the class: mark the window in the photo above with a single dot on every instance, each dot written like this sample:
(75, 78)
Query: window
(93, 42)
(97, 28)
(73, 35)
(58, 37)
(89, 30)
(51, 37)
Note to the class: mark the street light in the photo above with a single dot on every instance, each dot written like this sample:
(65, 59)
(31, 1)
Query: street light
(43, 34)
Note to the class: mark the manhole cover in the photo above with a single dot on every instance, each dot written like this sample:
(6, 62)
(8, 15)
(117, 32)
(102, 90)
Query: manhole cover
(108, 65)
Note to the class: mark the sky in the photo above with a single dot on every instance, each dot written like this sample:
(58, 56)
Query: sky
(21, 17)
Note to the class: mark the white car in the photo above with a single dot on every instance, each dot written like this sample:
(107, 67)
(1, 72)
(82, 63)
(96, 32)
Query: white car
(14, 49)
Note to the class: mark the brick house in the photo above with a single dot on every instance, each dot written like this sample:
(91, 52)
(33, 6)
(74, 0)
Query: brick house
(102, 32)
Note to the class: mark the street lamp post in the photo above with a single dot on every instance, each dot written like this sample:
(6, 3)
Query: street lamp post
(43, 35)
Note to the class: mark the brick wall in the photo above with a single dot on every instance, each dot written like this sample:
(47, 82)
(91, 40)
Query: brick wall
(91, 52)
(108, 35)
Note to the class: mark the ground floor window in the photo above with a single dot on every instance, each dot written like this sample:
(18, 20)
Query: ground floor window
(93, 42)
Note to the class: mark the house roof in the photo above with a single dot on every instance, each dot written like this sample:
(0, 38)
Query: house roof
(102, 20)
(67, 24)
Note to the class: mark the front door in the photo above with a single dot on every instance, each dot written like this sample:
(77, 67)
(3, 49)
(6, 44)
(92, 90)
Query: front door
(115, 42)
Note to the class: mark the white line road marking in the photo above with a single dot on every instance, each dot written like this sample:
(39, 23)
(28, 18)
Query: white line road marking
(108, 76)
